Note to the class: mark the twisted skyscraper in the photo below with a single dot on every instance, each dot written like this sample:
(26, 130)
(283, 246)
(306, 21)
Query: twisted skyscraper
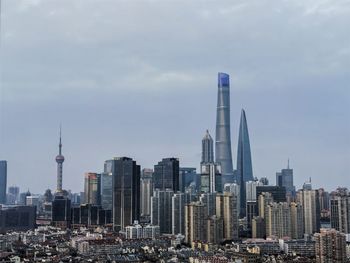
(244, 160)
(223, 154)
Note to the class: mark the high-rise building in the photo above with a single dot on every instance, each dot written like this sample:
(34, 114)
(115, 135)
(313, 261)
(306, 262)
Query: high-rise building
(166, 174)
(285, 179)
(244, 160)
(311, 210)
(179, 201)
(251, 212)
(3, 181)
(146, 193)
(278, 193)
(209, 201)
(296, 220)
(215, 230)
(207, 149)
(59, 161)
(226, 208)
(61, 211)
(161, 210)
(13, 195)
(188, 177)
(92, 189)
(17, 218)
(147, 173)
(324, 200)
(250, 192)
(126, 192)
(195, 227)
(235, 189)
(340, 210)
(258, 227)
(211, 179)
(330, 246)
(106, 190)
(223, 152)
(278, 220)
(264, 181)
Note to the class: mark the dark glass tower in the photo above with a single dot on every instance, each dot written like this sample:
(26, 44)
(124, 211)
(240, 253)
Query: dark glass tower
(167, 175)
(126, 192)
(223, 154)
(207, 149)
(244, 160)
(3, 181)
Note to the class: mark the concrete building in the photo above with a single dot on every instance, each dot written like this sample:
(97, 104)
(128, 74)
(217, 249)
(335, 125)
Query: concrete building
(278, 220)
(296, 220)
(146, 193)
(167, 175)
(311, 210)
(215, 230)
(195, 227)
(161, 210)
(3, 181)
(330, 246)
(226, 208)
(340, 210)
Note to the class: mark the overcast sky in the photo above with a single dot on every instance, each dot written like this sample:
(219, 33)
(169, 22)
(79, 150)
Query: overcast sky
(139, 79)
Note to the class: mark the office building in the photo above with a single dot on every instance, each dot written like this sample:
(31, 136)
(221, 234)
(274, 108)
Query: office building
(188, 177)
(106, 190)
(223, 152)
(311, 210)
(211, 179)
(13, 195)
(251, 212)
(207, 149)
(340, 210)
(126, 192)
(244, 161)
(209, 201)
(178, 213)
(17, 218)
(264, 181)
(90, 215)
(146, 193)
(147, 173)
(161, 210)
(61, 211)
(3, 181)
(166, 175)
(324, 200)
(330, 246)
(285, 179)
(195, 227)
(278, 193)
(92, 189)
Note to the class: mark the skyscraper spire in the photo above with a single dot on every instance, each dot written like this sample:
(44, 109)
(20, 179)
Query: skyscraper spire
(223, 153)
(244, 160)
(59, 161)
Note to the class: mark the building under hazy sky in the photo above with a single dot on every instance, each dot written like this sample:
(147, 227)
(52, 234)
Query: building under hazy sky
(84, 62)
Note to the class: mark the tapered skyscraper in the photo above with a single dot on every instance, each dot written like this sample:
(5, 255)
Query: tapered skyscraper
(223, 154)
(244, 160)
(59, 160)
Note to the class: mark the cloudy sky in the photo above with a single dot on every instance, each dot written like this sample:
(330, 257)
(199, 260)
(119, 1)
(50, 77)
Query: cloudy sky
(139, 79)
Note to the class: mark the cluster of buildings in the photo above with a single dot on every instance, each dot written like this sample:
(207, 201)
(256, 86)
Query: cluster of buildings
(216, 206)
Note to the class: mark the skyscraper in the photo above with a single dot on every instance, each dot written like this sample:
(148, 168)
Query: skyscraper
(126, 192)
(285, 179)
(311, 210)
(106, 191)
(3, 181)
(211, 178)
(59, 160)
(161, 210)
(244, 160)
(226, 208)
(146, 193)
(195, 228)
(340, 210)
(166, 174)
(92, 189)
(223, 153)
(207, 149)
(188, 177)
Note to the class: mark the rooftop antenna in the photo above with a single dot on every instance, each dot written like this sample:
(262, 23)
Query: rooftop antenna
(288, 164)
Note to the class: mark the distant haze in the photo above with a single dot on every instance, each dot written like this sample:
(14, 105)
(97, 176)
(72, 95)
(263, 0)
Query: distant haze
(139, 79)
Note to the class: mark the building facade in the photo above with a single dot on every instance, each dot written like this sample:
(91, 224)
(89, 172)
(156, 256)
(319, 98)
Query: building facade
(167, 174)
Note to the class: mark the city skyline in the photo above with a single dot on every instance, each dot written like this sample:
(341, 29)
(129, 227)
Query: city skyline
(294, 112)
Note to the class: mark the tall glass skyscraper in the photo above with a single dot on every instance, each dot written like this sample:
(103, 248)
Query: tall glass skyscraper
(126, 192)
(244, 160)
(207, 149)
(166, 174)
(223, 153)
(3, 181)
